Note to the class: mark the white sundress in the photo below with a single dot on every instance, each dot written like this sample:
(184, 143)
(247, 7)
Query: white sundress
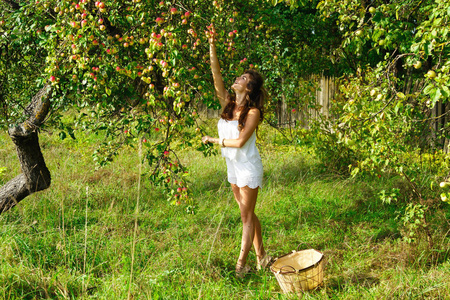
(244, 166)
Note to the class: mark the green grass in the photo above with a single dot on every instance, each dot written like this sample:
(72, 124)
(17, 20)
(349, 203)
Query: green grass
(49, 249)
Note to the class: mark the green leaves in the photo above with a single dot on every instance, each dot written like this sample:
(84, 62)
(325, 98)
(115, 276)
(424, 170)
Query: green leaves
(3, 171)
(389, 197)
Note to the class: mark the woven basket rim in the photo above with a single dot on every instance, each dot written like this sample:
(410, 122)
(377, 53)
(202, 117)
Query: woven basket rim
(300, 270)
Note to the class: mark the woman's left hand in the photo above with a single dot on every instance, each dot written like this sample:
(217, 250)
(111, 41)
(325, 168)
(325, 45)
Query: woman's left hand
(206, 139)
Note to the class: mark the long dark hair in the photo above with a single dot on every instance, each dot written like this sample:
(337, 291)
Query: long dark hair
(255, 99)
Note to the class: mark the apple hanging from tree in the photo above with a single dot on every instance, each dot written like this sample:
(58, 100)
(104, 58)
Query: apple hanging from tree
(431, 74)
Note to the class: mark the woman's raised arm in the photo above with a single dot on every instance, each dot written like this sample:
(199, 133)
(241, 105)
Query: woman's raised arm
(219, 86)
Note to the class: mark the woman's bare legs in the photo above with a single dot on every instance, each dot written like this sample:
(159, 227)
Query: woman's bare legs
(251, 230)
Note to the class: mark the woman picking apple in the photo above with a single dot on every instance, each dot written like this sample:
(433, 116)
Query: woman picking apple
(242, 112)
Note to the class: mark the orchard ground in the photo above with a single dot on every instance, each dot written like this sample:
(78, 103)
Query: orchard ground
(75, 240)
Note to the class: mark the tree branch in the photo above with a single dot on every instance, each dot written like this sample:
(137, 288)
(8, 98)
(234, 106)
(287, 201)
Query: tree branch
(35, 174)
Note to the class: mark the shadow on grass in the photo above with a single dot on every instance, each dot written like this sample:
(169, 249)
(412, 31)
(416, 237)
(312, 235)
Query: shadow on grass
(29, 289)
(339, 284)
(210, 181)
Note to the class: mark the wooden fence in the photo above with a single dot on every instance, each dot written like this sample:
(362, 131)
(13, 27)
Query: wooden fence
(440, 117)
(324, 94)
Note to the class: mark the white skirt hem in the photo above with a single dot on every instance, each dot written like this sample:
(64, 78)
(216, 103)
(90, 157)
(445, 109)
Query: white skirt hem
(252, 183)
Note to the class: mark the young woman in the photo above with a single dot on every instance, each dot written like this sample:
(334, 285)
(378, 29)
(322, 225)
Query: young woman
(242, 112)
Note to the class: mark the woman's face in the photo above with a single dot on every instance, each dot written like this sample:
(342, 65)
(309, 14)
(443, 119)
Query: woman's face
(240, 84)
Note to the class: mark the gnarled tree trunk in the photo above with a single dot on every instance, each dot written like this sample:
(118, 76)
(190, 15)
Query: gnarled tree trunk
(35, 174)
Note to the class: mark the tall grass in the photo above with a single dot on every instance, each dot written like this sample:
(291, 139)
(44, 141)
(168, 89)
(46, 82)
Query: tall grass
(109, 234)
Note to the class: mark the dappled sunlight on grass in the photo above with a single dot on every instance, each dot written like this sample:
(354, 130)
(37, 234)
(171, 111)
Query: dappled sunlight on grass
(49, 248)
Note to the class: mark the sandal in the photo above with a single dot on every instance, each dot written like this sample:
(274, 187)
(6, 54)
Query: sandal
(241, 271)
(263, 262)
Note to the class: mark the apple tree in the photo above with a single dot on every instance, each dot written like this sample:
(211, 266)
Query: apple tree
(398, 58)
(132, 71)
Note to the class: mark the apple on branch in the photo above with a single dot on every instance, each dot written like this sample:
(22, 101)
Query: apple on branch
(431, 74)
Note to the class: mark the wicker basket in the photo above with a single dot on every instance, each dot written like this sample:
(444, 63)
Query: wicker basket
(299, 271)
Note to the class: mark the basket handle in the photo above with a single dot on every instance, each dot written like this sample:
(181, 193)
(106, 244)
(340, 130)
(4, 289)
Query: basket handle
(287, 266)
(303, 243)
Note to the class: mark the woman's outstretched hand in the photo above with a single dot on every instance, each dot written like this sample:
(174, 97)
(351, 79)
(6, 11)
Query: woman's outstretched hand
(211, 34)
